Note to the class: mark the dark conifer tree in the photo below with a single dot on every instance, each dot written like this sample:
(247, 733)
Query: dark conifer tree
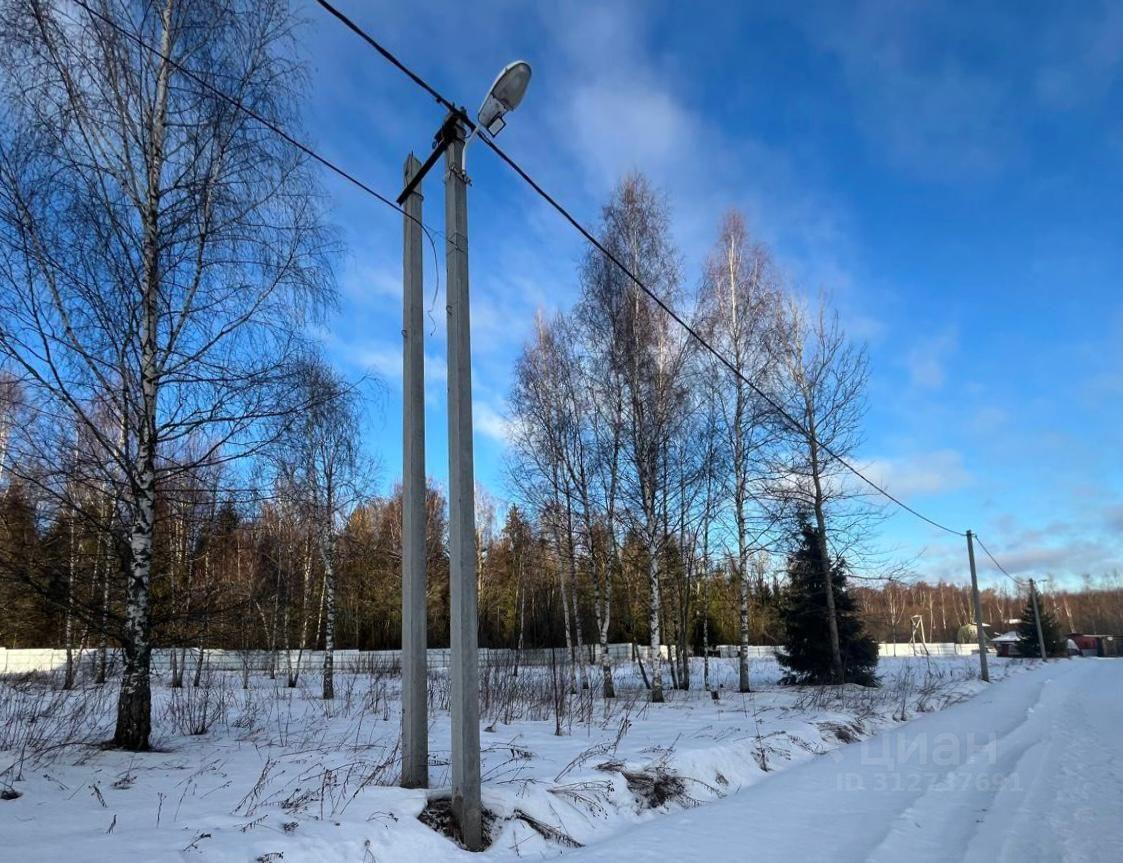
(806, 649)
(1027, 632)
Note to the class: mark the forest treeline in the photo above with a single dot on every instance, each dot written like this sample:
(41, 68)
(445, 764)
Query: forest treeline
(234, 582)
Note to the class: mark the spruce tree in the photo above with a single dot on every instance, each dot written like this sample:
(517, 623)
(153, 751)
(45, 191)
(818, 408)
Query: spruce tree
(806, 649)
(1027, 632)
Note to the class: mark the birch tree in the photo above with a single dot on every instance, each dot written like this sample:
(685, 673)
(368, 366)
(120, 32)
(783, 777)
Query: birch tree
(633, 342)
(822, 387)
(741, 294)
(327, 469)
(159, 250)
(11, 417)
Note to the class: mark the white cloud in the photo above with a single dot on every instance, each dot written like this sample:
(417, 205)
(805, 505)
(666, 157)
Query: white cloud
(621, 125)
(365, 282)
(988, 420)
(1059, 552)
(1113, 517)
(1085, 54)
(862, 326)
(384, 361)
(1063, 560)
(436, 369)
(486, 420)
(629, 107)
(927, 473)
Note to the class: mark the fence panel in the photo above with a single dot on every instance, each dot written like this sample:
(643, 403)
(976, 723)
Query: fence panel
(23, 661)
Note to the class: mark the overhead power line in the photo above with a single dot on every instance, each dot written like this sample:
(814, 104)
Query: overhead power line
(275, 129)
(553, 202)
(588, 235)
(525, 176)
(994, 560)
(394, 61)
(251, 113)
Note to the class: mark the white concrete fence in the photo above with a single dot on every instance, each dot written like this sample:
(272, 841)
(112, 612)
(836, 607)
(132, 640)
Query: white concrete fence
(259, 661)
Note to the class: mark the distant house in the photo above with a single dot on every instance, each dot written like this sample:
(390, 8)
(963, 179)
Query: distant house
(1006, 644)
(1095, 645)
(1085, 645)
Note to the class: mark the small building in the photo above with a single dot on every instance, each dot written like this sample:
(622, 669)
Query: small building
(1095, 645)
(1006, 644)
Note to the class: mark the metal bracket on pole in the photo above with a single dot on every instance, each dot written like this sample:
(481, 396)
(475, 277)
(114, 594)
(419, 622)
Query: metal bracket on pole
(441, 141)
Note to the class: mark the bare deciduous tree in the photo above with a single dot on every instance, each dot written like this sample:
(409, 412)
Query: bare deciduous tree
(741, 294)
(633, 343)
(822, 387)
(159, 250)
(323, 467)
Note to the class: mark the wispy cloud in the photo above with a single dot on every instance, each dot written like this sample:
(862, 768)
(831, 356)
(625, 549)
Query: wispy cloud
(821, 143)
(918, 474)
(927, 359)
(1084, 57)
(488, 421)
(988, 420)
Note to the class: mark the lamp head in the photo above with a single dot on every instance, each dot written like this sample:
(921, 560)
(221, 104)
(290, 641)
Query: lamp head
(504, 96)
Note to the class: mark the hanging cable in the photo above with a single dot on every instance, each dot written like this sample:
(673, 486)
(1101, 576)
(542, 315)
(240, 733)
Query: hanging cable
(280, 132)
(588, 235)
(993, 560)
(254, 115)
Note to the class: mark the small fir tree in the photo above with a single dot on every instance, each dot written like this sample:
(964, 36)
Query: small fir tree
(1027, 632)
(806, 649)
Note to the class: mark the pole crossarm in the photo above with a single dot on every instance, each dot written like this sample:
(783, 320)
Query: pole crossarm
(441, 142)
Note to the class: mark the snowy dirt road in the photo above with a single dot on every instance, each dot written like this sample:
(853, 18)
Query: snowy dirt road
(1031, 770)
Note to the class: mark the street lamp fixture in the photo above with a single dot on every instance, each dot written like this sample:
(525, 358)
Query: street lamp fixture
(504, 96)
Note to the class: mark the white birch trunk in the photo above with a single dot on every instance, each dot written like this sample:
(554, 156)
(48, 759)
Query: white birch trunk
(656, 631)
(329, 615)
(565, 622)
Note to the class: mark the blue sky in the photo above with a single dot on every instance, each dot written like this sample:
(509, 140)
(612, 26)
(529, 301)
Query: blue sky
(951, 173)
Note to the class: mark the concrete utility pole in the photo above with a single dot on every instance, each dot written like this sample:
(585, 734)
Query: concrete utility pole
(978, 607)
(415, 719)
(1037, 620)
(462, 506)
(505, 95)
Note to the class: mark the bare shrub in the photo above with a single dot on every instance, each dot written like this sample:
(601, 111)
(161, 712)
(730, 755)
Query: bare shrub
(38, 721)
(547, 832)
(194, 710)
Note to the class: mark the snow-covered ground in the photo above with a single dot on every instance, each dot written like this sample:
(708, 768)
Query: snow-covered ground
(1031, 770)
(281, 775)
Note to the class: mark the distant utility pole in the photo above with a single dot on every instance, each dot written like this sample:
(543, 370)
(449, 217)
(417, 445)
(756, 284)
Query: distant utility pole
(415, 718)
(982, 638)
(1037, 620)
(462, 505)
